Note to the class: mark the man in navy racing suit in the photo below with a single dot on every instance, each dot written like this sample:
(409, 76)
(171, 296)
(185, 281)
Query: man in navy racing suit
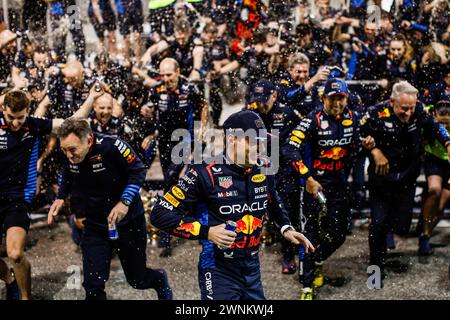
(240, 191)
(320, 149)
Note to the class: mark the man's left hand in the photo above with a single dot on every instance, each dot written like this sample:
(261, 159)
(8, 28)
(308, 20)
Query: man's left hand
(298, 239)
(117, 213)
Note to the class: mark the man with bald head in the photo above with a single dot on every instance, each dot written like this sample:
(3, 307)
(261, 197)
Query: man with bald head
(102, 119)
(74, 73)
(175, 100)
(68, 89)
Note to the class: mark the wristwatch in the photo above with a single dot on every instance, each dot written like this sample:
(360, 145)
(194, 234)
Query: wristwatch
(125, 202)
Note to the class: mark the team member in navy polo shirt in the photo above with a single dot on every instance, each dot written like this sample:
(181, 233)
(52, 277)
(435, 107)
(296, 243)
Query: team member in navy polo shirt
(20, 136)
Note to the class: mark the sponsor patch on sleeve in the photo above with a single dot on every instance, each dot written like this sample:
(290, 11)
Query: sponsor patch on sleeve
(178, 193)
(191, 227)
(171, 199)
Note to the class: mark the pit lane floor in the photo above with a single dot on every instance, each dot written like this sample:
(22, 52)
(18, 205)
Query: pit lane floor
(56, 269)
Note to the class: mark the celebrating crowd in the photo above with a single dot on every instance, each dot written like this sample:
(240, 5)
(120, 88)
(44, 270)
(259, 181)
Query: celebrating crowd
(332, 85)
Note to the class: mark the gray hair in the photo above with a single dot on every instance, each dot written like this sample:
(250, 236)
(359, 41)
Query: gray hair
(298, 58)
(403, 87)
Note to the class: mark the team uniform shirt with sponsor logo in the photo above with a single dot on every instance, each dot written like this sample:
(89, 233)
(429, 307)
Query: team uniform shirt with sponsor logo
(111, 172)
(436, 92)
(216, 51)
(175, 109)
(393, 69)
(295, 96)
(114, 127)
(322, 146)
(184, 54)
(401, 143)
(281, 117)
(214, 194)
(66, 99)
(18, 157)
(257, 65)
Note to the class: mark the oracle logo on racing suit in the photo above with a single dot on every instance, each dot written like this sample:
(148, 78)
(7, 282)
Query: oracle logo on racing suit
(331, 143)
(237, 208)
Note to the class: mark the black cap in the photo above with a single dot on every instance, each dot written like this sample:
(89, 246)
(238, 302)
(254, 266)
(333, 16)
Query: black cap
(242, 121)
(262, 91)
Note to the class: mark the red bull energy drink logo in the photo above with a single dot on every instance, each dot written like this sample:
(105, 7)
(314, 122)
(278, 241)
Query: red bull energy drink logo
(190, 227)
(335, 153)
(384, 114)
(248, 224)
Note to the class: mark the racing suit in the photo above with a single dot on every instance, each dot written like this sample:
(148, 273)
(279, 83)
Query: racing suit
(322, 147)
(217, 193)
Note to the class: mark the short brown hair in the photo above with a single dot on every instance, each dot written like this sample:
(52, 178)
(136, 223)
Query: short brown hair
(16, 100)
(77, 126)
(210, 27)
(42, 48)
(182, 25)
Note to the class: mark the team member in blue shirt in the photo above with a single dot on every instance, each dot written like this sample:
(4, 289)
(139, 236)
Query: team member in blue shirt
(20, 136)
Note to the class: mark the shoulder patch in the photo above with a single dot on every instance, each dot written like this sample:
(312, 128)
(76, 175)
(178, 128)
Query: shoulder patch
(253, 106)
(384, 114)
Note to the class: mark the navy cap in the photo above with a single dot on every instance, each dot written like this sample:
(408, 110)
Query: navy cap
(335, 86)
(242, 121)
(262, 91)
